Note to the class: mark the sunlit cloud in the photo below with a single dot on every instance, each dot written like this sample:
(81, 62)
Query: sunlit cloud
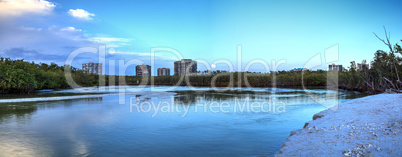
(81, 14)
(11, 8)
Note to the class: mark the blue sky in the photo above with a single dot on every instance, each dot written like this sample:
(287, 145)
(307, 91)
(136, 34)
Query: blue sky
(295, 31)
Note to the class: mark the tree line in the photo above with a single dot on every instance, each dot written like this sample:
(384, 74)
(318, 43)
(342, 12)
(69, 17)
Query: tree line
(19, 76)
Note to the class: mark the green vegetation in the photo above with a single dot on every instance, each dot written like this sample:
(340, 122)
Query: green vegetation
(383, 73)
(18, 76)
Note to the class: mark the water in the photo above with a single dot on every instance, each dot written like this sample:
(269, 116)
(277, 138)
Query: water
(100, 126)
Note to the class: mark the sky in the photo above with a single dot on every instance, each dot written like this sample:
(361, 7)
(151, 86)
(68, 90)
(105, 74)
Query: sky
(281, 34)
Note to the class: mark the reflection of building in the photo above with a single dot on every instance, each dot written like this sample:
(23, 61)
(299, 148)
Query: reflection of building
(95, 100)
(92, 68)
(185, 67)
(143, 70)
(163, 71)
(361, 66)
(334, 67)
(187, 99)
(299, 69)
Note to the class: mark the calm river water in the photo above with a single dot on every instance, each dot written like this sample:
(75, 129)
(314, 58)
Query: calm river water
(156, 122)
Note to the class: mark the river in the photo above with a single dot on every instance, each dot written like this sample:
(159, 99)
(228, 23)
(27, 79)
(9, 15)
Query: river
(159, 121)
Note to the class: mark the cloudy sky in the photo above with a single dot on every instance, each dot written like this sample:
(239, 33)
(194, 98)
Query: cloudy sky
(210, 31)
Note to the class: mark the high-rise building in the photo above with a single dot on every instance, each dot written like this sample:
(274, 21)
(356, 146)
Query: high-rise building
(143, 70)
(92, 68)
(361, 66)
(334, 67)
(185, 67)
(163, 71)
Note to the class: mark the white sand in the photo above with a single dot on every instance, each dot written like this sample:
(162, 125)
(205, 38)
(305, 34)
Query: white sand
(369, 126)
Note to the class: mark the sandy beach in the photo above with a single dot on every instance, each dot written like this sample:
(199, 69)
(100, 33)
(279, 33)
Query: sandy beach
(369, 126)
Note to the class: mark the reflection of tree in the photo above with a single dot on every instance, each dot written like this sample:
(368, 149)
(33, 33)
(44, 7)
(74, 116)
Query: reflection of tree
(95, 100)
(191, 97)
(293, 97)
(25, 110)
(18, 110)
(185, 99)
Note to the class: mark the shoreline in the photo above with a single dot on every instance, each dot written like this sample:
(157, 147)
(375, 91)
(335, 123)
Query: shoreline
(368, 126)
(142, 95)
(340, 87)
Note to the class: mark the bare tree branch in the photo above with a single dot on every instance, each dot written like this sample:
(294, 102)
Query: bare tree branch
(388, 43)
(396, 88)
(380, 38)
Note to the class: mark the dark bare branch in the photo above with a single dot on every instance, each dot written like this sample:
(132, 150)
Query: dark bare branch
(388, 43)
(380, 39)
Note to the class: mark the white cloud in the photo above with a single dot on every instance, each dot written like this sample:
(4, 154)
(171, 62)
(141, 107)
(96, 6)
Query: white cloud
(81, 14)
(111, 41)
(147, 54)
(54, 40)
(71, 29)
(139, 53)
(30, 28)
(52, 43)
(20, 7)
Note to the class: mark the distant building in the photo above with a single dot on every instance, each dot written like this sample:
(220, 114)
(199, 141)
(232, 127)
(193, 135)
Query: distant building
(299, 69)
(92, 68)
(143, 70)
(163, 71)
(185, 67)
(361, 66)
(334, 67)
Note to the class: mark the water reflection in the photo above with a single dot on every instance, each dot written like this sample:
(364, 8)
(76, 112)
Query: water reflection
(20, 111)
(192, 97)
(49, 128)
(22, 145)
(287, 97)
(24, 111)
